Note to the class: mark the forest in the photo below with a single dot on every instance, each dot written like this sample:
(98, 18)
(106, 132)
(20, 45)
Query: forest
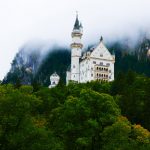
(90, 116)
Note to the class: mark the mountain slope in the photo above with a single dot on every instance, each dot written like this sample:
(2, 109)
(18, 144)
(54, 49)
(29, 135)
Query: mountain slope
(57, 60)
(35, 66)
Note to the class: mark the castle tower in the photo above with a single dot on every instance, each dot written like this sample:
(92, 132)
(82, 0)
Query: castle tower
(76, 49)
(54, 79)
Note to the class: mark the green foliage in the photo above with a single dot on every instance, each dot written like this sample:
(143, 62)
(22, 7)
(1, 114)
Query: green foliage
(78, 116)
(81, 119)
(134, 91)
(17, 129)
(122, 135)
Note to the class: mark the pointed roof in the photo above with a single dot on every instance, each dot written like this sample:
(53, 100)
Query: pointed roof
(77, 24)
(101, 51)
(55, 74)
(101, 39)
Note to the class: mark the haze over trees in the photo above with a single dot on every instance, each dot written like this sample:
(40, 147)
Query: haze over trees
(28, 67)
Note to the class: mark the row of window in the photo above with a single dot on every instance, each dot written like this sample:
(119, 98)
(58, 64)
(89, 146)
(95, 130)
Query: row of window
(101, 63)
(94, 62)
(98, 69)
(102, 69)
(102, 75)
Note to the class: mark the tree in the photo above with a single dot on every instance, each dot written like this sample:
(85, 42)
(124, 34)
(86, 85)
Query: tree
(81, 120)
(119, 85)
(124, 136)
(19, 127)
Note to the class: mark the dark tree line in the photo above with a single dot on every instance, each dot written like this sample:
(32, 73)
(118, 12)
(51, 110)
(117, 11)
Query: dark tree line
(91, 116)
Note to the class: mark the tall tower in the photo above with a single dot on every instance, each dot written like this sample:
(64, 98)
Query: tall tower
(76, 49)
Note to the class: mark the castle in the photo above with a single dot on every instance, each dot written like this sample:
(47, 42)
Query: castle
(94, 64)
(54, 80)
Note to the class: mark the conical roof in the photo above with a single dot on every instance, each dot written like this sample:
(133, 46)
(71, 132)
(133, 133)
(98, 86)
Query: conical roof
(77, 24)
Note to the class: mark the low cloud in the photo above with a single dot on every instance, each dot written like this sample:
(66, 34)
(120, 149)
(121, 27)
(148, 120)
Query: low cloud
(24, 20)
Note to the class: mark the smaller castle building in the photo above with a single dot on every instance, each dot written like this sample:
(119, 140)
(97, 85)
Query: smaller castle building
(94, 64)
(54, 80)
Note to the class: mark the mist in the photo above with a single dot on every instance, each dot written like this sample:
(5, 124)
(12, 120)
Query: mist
(52, 21)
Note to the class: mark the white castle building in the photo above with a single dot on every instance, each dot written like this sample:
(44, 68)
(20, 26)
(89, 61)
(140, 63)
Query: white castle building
(54, 79)
(94, 64)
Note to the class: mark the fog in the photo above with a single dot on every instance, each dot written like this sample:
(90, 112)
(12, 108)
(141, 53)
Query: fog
(52, 21)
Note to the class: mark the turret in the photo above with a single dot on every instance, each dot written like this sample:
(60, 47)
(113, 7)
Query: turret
(101, 39)
(54, 79)
(76, 49)
(77, 34)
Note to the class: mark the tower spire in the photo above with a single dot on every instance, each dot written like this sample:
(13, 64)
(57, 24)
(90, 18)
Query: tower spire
(76, 13)
(101, 39)
(77, 24)
(76, 50)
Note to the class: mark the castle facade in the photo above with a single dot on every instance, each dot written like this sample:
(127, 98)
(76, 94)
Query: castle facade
(96, 63)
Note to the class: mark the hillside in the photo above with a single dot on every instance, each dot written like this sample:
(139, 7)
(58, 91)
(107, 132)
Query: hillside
(91, 116)
(30, 65)
(135, 59)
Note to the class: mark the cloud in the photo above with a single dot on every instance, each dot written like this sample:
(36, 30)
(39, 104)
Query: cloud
(24, 20)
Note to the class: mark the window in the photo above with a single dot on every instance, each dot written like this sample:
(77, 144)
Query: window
(108, 64)
(73, 66)
(101, 55)
(101, 63)
(109, 71)
(94, 62)
(91, 75)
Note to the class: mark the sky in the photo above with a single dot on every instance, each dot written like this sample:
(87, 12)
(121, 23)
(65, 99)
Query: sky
(22, 21)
